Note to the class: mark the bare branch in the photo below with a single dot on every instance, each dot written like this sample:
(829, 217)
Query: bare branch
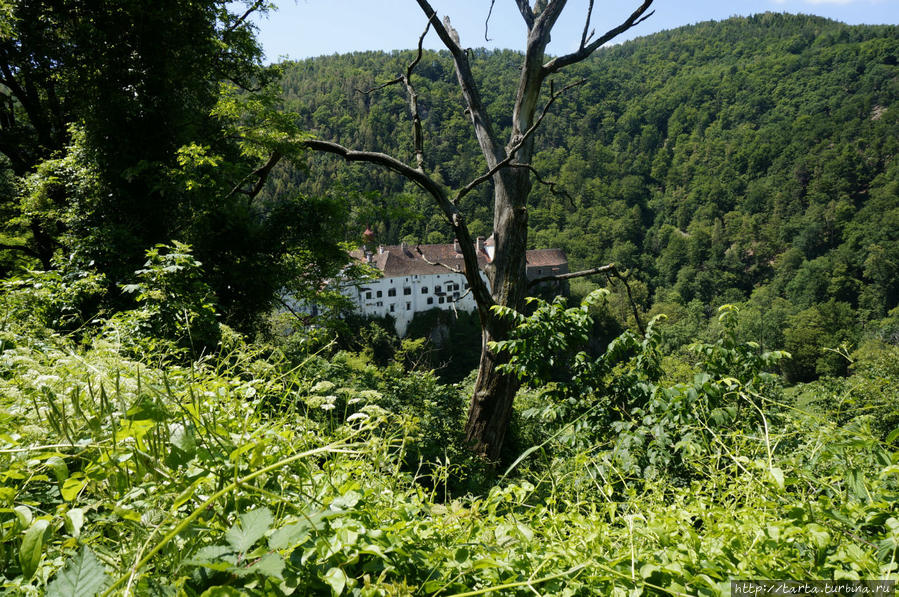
(452, 214)
(604, 269)
(304, 319)
(547, 13)
(261, 174)
(406, 79)
(479, 117)
(512, 149)
(585, 35)
(417, 136)
(487, 21)
(630, 297)
(380, 87)
(255, 6)
(637, 17)
(380, 159)
(549, 183)
(526, 13)
(437, 263)
(609, 271)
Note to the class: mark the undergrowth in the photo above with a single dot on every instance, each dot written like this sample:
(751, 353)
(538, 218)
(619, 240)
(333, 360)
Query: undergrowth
(246, 474)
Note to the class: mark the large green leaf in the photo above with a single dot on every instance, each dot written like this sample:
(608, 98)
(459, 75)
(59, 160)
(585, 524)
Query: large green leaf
(74, 520)
(32, 543)
(251, 527)
(83, 576)
(270, 565)
(71, 487)
(336, 578)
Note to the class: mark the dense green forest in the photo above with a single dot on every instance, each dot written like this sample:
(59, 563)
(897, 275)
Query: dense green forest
(167, 430)
(747, 160)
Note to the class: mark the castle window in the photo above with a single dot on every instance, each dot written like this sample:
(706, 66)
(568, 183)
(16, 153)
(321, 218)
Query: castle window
(407, 291)
(455, 296)
(408, 306)
(424, 289)
(380, 294)
(368, 294)
(391, 308)
(437, 290)
(440, 300)
(430, 300)
(391, 292)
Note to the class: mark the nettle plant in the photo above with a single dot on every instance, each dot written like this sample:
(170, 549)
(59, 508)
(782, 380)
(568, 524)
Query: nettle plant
(619, 401)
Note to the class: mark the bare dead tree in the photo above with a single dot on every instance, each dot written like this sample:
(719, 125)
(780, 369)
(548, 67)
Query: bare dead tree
(508, 167)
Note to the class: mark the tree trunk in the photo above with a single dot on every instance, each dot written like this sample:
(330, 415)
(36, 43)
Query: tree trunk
(494, 392)
(491, 404)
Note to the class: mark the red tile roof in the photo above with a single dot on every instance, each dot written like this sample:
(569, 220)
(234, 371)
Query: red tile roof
(397, 260)
(546, 258)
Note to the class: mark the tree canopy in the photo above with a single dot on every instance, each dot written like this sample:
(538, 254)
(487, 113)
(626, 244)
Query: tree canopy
(124, 125)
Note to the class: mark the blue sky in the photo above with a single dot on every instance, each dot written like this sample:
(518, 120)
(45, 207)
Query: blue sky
(304, 28)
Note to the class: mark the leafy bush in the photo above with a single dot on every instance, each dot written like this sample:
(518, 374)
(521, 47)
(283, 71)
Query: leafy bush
(617, 400)
(47, 301)
(174, 305)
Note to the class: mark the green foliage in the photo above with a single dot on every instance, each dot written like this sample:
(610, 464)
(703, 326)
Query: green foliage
(83, 576)
(173, 305)
(248, 471)
(62, 299)
(619, 398)
(188, 481)
(176, 153)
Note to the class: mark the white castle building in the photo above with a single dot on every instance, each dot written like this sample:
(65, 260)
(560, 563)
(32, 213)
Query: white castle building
(415, 279)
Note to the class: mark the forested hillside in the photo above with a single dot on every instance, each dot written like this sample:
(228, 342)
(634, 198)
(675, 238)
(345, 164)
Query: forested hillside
(747, 159)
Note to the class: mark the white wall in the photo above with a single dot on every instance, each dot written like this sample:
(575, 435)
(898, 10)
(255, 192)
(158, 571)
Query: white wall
(421, 287)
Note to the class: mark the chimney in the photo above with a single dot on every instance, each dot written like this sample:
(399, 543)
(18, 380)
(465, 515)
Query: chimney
(404, 247)
(456, 246)
(479, 244)
(380, 249)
